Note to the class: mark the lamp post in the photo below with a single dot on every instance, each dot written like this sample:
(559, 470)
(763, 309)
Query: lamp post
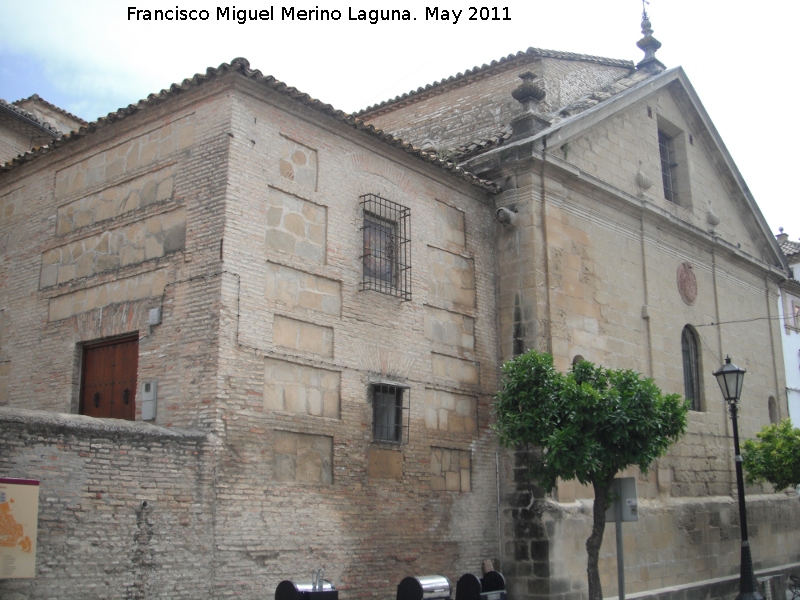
(730, 379)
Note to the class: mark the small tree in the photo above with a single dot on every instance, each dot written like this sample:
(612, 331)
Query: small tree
(775, 457)
(589, 424)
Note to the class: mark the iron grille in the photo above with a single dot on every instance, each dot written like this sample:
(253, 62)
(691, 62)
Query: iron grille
(667, 152)
(390, 413)
(387, 247)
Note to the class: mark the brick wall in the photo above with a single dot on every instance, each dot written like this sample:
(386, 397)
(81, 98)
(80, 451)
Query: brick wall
(125, 509)
(480, 108)
(96, 235)
(301, 483)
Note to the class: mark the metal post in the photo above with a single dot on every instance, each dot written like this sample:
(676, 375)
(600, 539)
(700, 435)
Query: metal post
(747, 577)
(617, 487)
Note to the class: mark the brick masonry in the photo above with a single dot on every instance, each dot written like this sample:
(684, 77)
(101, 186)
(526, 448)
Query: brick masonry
(269, 347)
(266, 345)
(125, 509)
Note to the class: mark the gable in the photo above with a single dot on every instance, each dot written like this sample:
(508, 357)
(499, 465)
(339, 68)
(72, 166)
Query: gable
(617, 141)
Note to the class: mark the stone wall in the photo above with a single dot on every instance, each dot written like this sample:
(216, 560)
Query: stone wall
(678, 544)
(125, 509)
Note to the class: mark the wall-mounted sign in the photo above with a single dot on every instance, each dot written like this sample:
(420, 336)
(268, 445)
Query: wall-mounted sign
(19, 516)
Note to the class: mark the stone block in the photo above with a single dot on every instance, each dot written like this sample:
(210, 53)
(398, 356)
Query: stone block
(455, 369)
(452, 481)
(298, 163)
(301, 389)
(295, 226)
(385, 464)
(451, 277)
(449, 327)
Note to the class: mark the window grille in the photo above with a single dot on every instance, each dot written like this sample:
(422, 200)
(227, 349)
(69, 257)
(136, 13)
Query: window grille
(666, 149)
(691, 368)
(387, 247)
(390, 413)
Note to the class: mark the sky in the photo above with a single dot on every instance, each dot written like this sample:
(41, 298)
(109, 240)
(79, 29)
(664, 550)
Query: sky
(90, 58)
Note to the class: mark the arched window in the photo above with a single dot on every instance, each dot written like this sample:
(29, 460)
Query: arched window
(691, 367)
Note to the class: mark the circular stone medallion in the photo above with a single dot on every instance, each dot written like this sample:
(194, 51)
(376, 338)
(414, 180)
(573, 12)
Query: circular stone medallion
(687, 283)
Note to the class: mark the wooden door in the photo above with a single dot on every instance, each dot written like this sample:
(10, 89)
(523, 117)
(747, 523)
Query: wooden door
(108, 387)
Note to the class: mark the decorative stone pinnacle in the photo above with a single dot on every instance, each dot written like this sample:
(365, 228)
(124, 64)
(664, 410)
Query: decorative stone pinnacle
(528, 92)
(649, 45)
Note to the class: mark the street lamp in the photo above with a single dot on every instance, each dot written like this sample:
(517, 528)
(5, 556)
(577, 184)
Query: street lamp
(730, 379)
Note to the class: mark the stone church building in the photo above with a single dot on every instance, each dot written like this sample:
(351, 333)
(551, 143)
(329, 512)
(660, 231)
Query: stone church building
(244, 335)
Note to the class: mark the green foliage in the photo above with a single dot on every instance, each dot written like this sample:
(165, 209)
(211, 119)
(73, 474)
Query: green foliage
(590, 423)
(775, 457)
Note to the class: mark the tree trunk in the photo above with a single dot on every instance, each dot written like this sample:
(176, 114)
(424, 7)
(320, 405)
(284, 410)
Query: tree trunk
(601, 490)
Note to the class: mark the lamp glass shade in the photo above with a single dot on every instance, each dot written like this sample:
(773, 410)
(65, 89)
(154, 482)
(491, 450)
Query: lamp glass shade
(730, 379)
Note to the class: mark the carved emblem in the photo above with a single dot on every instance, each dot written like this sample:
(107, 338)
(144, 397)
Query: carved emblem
(687, 283)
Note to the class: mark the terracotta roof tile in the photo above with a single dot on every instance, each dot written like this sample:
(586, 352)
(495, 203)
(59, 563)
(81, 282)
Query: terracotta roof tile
(242, 66)
(484, 143)
(503, 63)
(790, 249)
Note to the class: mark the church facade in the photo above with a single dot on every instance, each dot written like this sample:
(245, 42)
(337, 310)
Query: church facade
(245, 335)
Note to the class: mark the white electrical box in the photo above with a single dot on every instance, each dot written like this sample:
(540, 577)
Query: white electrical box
(154, 317)
(149, 397)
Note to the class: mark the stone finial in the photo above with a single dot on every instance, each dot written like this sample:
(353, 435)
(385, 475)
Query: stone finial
(782, 237)
(528, 92)
(648, 44)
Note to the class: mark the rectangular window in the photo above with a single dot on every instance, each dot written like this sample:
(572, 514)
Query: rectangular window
(666, 149)
(386, 259)
(390, 413)
(796, 308)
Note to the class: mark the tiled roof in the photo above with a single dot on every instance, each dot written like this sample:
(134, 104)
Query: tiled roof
(561, 114)
(29, 117)
(790, 249)
(598, 96)
(242, 66)
(479, 145)
(503, 63)
(38, 98)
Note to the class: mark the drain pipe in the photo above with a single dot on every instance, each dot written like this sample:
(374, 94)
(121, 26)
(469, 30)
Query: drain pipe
(548, 337)
(499, 513)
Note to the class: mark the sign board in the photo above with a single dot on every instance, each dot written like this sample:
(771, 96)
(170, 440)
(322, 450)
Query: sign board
(19, 516)
(624, 488)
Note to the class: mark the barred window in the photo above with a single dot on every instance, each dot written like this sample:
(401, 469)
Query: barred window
(666, 149)
(390, 413)
(387, 249)
(691, 368)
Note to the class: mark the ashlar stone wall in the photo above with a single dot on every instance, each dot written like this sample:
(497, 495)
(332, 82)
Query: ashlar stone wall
(591, 268)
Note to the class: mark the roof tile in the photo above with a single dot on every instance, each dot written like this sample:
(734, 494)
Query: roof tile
(505, 62)
(242, 66)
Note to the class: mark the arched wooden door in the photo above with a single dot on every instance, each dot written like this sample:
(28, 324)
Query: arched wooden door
(108, 385)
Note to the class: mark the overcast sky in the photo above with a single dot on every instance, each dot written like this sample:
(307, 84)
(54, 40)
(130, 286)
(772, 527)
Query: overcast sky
(90, 59)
